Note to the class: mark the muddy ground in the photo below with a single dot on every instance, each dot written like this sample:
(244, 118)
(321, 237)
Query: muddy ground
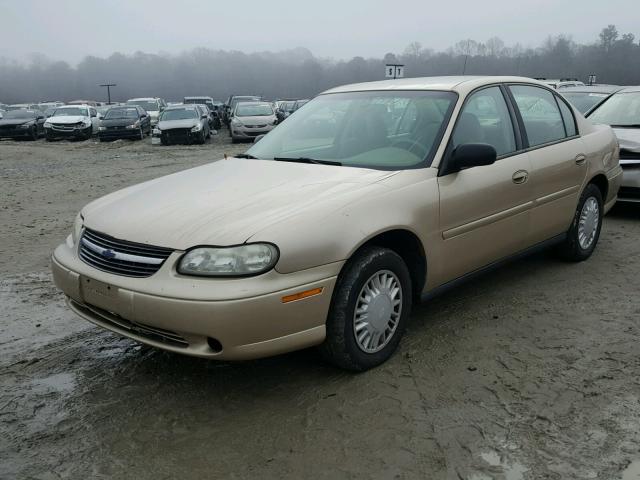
(530, 372)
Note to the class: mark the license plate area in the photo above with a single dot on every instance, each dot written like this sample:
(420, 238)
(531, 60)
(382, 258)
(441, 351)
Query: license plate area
(100, 294)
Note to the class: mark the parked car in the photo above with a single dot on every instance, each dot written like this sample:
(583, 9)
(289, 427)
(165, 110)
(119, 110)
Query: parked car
(22, 124)
(300, 103)
(561, 83)
(622, 112)
(324, 233)
(182, 124)
(153, 106)
(22, 106)
(44, 106)
(208, 101)
(285, 109)
(211, 118)
(232, 101)
(76, 121)
(91, 103)
(587, 97)
(131, 121)
(251, 119)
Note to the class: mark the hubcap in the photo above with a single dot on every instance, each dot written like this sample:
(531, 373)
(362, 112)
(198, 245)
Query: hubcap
(588, 222)
(378, 310)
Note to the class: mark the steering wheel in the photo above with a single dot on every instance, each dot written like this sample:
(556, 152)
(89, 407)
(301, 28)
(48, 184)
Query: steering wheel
(410, 145)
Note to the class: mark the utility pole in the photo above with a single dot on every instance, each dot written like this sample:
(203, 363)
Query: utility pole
(109, 85)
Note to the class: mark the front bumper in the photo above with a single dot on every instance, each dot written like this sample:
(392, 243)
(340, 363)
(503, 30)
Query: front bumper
(179, 136)
(15, 132)
(245, 317)
(246, 133)
(114, 134)
(67, 132)
(630, 187)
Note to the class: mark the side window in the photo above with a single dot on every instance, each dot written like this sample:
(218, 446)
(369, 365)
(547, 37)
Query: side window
(569, 121)
(540, 114)
(485, 119)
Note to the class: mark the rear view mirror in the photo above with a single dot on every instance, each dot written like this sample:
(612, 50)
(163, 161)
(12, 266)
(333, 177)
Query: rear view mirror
(469, 155)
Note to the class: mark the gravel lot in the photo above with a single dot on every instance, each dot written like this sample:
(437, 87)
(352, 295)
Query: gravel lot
(530, 372)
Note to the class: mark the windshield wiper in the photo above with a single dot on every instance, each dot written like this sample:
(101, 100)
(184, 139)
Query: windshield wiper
(627, 125)
(246, 155)
(308, 160)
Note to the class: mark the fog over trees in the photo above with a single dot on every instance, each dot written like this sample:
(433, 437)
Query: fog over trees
(614, 57)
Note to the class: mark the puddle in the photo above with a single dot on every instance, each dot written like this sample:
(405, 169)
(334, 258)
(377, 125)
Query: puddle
(60, 382)
(632, 472)
(511, 470)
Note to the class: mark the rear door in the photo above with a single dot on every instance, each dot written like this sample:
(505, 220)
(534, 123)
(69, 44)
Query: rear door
(485, 211)
(558, 159)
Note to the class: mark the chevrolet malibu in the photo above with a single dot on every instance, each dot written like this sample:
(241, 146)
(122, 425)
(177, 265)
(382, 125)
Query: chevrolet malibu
(370, 198)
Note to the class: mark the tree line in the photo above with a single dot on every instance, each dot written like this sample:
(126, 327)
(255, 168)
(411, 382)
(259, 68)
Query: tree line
(297, 73)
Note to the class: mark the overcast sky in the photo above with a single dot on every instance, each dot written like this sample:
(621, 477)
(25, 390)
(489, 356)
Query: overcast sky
(69, 29)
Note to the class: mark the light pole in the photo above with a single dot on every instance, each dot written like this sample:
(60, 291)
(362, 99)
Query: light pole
(109, 85)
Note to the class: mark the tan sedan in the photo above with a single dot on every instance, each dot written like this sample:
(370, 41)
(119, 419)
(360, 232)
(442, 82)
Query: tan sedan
(325, 232)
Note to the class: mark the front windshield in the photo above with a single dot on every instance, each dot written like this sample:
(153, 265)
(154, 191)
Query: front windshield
(20, 114)
(621, 109)
(63, 112)
(253, 110)
(385, 130)
(584, 101)
(148, 106)
(115, 113)
(179, 114)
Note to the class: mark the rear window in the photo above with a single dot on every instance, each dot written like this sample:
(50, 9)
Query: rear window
(540, 113)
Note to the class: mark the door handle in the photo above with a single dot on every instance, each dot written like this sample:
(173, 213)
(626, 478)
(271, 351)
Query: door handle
(519, 177)
(581, 159)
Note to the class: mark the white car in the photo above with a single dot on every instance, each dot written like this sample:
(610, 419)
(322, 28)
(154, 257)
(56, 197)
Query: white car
(152, 105)
(78, 121)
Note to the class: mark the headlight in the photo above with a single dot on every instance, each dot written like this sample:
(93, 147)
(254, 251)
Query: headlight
(134, 125)
(47, 125)
(26, 125)
(102, 129)
(242, 260)
(77, 228)
(197, 128)
(236, 122)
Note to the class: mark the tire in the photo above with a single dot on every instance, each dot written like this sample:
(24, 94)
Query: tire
(582, 236)
(33, 134)
(341, 346)
(87, 135)
(141, 137)
(234, 139)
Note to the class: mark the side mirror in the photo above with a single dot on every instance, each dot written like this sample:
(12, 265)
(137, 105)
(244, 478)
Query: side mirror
(144, 115)
(469, 155)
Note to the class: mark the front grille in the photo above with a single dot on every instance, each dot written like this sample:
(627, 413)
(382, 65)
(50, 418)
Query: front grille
(177, 135)
(256, 126)
(116, 321)
(121, 257)
(63, 127)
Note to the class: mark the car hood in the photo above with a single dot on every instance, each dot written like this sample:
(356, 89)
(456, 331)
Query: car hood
(258, 120)
(15, 121)
(169, 124)
(628, 138)
(223, 203)
(68, 119)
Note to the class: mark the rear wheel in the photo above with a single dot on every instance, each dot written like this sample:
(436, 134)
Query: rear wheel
(584, 232)
(369, 310)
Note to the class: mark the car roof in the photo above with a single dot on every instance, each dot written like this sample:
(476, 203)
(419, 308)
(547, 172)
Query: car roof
(593, 89)
(198, 97)
(635, 88)
(143, 99)
(182, 106)
(460, 83)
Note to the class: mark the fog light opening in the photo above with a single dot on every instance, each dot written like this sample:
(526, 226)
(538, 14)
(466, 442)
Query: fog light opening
(214, 345)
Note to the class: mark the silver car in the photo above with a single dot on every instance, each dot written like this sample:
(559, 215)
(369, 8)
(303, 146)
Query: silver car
(251, 119)
(622, 112)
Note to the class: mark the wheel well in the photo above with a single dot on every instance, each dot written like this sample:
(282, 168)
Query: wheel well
(601, 182)
(409, 247)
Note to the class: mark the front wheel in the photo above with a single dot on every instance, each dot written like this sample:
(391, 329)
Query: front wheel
(584, 232)
(369, 310)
